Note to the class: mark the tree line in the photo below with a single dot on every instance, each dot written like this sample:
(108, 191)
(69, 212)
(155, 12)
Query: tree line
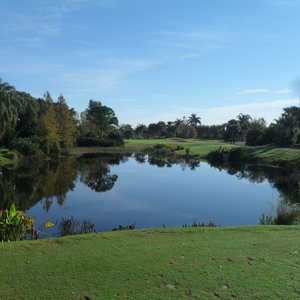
(284, 131)
(46, 126)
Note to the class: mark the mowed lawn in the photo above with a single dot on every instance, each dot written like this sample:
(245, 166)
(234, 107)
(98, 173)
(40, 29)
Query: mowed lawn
(255, 262)
(197, 147)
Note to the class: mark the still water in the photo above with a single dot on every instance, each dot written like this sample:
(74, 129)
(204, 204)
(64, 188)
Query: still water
(111, 190)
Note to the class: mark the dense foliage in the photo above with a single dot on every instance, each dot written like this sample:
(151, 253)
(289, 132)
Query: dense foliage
(14, 224)
(35, 126)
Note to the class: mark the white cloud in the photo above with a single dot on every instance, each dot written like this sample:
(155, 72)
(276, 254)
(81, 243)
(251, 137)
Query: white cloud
(106, 76)
(283, 92)
(264, 91)
(253, 91)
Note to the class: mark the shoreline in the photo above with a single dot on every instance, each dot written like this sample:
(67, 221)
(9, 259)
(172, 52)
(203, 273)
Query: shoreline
(200, 149)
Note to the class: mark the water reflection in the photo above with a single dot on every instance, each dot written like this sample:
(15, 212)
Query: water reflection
(149, 190)
(51, 181)
(285, 180)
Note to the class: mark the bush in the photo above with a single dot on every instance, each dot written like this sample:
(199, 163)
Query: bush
(115, 138)
(88, 142)
(255, 137)
(14, 224)
(160, 150)
(112, 140)
(26, 146)
(220, 155)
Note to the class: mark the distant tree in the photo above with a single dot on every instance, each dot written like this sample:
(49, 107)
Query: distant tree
(232, 131)
(259, 123)
(245, 124)
(194, 120)
(141, 131)
(48, 98)
(288, 126)
(126, 131)
(101, 118)
(153, 130)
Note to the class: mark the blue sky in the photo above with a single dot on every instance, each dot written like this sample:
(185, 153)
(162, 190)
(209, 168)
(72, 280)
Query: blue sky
(156, 60)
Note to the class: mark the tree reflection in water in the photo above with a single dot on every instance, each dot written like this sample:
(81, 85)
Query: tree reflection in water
(50, 182)
(285, 180)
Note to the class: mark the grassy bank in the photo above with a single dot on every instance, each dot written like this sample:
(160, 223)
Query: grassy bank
(267, 155)
(199, 148)
(255, 262)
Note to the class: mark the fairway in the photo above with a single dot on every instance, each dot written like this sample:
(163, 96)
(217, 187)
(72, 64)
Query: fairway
(199, 148)
(255, 262)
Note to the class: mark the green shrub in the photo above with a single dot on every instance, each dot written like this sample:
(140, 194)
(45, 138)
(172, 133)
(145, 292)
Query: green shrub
(160, 150)
(187, 151)
(113, 139)
(14, 224)
(26, 146)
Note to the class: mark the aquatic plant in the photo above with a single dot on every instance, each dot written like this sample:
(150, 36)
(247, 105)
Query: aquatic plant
(200, 224)
(124, 227)
(71, 226)
(14, 224)
(285, 214)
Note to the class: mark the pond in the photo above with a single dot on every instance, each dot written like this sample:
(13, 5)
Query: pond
(109, 190)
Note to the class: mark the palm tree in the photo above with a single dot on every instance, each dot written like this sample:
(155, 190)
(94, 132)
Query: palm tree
(194, 120)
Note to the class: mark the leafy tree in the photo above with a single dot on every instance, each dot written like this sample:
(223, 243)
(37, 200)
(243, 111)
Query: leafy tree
(245, 124)
(50, 125)
(9, 110)
(66, 122)
(141, 131)
(232, 131)
(126, 131)
(101, 118)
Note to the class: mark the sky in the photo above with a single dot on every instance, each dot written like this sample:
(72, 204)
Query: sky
(156, 60)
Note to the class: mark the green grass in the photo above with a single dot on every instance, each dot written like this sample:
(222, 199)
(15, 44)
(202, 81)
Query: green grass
(199, 148)
(271, 155)
(255, 262)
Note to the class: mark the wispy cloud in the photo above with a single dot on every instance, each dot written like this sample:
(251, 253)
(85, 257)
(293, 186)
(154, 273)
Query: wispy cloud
(106, 76)
(264, 91)
(195, 43)
(46, 19)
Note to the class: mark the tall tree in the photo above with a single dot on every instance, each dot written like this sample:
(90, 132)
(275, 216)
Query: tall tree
(66, 123)
(232, 131)
(101, 118)
(50, 125)
(245, 124)
(194, 120)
